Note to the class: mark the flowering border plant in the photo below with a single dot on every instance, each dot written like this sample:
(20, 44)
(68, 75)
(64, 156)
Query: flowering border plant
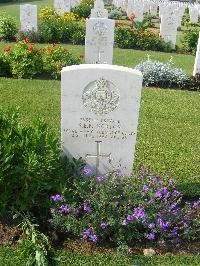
(118, 209)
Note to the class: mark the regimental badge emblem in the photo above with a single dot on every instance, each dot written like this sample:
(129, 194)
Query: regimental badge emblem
(100, 96)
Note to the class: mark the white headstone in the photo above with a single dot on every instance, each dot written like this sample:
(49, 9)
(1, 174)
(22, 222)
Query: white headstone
(194, 14)
(168, 27)
(28, 18)
(62, 6)
(99, 40)
(99, 11)
(99, 115)
(197, 59)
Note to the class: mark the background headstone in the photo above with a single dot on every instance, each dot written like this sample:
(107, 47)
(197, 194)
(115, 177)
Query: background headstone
(99, 115)
(99, 40)
(28, 18)
(62, 6)
(99, 11)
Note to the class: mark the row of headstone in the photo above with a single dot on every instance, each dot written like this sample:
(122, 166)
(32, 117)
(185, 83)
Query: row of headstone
(29, 13)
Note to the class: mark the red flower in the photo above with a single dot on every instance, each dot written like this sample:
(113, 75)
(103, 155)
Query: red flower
(81, 56)
(42, 50)
(132, 16)
(7, 49)
(151, 32)
(30, 47)
(28, 40)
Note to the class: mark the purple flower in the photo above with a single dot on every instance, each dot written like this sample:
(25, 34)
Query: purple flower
(171, 181)
(87, 232)
(94, 238)
(145, 188)
(173, 205)
(125, 222)
(158, 194)
(86, 208)
(196, 204)
(87, 171)
(101, 178)
(139, 213)
(129, 217)
(176, 193)
(52, 210)
(151, 236)
(64, 209)
(151, 225)
(56, 197)
(104, 225)
(120, 172)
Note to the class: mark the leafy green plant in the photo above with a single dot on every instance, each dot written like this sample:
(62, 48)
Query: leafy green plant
(25, 60)
(36, 248)
(115, 13)
(55, 58)
(30, 165)
(83, 10)
(8, 27)
(190, 38)
(4, 64)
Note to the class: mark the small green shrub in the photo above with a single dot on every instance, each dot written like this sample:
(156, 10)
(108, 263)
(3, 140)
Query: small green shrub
(55, 58)
(30, 165)
(25, 60)
(78, 36)
(8, 27)
(83, 10)
(115, 13)
(190, 38)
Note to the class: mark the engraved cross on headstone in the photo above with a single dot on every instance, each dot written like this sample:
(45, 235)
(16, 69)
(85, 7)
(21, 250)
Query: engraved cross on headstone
(98, 156)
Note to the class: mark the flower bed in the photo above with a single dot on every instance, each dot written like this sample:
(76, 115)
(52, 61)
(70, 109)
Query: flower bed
(27, 60)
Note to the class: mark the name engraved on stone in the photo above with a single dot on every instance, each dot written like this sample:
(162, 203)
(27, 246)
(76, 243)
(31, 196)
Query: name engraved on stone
(100, 97)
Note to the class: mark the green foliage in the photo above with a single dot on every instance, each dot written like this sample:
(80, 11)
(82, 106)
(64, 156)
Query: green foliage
(36, 248)
(30, 164)
(83, 10)
(55, 58)
(139, 37)
(190, 38)
(115, 13)
(25, 60)
(4, 66)
(78, 36)
(8, 27)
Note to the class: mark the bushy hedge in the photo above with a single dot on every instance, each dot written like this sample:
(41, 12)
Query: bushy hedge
(8, 27)
(26, 60)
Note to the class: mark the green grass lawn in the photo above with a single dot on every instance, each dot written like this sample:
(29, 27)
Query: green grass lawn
(12, 257)
(168, 136)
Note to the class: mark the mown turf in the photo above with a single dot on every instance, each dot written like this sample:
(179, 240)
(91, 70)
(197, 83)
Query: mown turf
(130, 57)
(168, 136)
(13, 257)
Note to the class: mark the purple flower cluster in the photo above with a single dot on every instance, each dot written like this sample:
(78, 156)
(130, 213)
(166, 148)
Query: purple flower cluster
(89, 234)
(87, 171)
(104, 225)
(57, 197)
(64, 209)
(100, 179)
(86, 207)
